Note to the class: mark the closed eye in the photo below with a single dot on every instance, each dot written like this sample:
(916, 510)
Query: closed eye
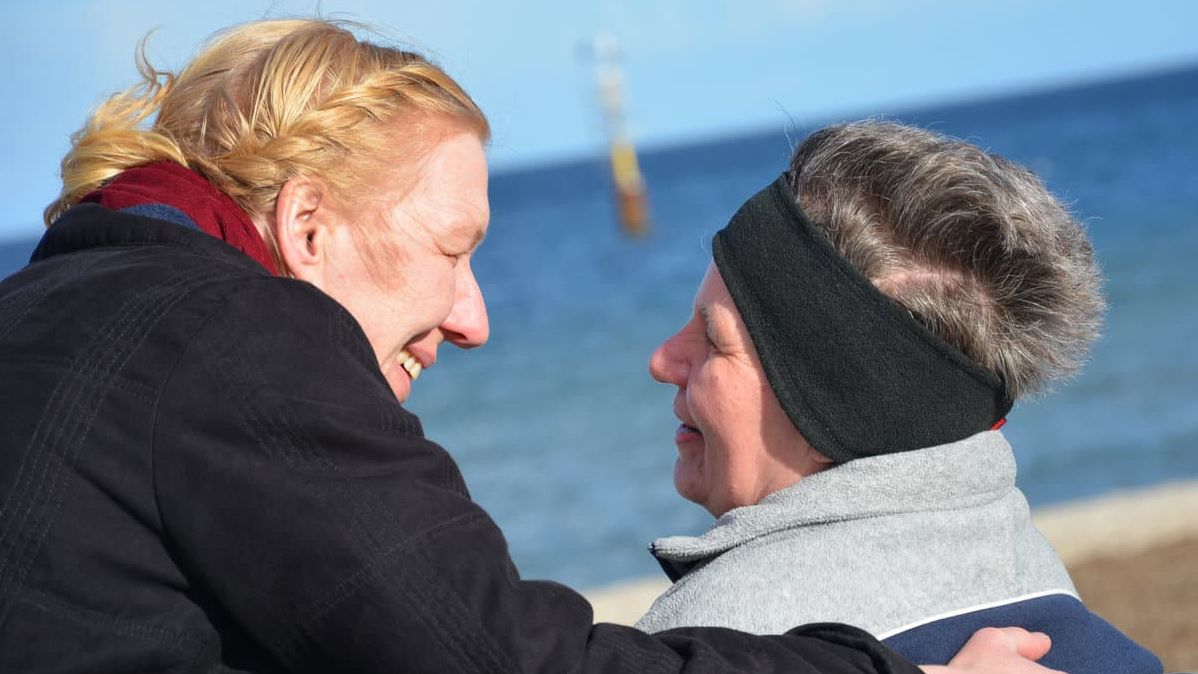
(709, 331)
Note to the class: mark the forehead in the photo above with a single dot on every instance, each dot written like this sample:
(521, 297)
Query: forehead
(716, 308)
(713, 293)
(449, 196)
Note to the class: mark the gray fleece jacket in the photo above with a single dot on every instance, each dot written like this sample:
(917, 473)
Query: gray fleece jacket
(880, 543)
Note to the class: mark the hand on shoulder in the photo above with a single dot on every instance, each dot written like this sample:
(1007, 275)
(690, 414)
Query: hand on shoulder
(1008, 650)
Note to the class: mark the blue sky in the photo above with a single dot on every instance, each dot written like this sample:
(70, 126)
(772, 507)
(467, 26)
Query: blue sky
(694, 68)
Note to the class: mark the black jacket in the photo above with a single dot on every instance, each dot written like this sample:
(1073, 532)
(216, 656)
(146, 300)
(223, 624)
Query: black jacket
(202, 469)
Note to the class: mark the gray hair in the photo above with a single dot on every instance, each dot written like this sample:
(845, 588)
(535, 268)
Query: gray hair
(974, 246)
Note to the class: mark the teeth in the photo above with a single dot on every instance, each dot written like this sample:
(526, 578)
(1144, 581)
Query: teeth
(409, 364)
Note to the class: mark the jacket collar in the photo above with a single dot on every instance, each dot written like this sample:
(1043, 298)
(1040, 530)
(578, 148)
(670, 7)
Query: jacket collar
(88, 226)
(977, 470)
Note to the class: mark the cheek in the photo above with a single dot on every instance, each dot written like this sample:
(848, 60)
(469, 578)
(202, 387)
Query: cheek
(423, 301)
(733, 438)
(441, 284)
(720, 460)
(392, 319)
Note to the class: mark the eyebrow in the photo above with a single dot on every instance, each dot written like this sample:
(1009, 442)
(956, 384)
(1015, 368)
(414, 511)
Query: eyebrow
(708, 322)
(476, 238)
(480, 233)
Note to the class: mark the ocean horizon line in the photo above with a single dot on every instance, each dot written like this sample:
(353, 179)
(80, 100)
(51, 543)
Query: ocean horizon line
(662, 149)
(902, 110)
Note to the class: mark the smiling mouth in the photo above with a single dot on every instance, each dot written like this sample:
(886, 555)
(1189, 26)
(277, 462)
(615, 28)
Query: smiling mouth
(687, 433)
(409, 363)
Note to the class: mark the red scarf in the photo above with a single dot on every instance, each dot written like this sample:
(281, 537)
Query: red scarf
(171, 184)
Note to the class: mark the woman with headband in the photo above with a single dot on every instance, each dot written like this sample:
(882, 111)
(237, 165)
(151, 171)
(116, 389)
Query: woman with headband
(865, 326)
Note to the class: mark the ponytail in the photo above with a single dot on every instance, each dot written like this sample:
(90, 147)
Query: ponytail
(115, 138)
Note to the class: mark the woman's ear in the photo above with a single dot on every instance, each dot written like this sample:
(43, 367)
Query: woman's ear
(303, 221)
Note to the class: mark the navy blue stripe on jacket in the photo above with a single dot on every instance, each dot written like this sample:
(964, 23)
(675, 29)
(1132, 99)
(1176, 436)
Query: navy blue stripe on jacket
(1082, 642)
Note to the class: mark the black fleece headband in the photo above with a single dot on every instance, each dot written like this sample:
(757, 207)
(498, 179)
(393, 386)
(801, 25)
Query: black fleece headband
(855, 372)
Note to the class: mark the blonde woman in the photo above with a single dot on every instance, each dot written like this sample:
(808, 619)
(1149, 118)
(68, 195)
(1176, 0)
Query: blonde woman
(205, 463)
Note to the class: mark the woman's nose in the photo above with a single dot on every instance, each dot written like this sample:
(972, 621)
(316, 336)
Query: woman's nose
(666, 365)
(467, 325)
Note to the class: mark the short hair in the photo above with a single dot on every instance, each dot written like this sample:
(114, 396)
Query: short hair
(264, 102)
(971, 244)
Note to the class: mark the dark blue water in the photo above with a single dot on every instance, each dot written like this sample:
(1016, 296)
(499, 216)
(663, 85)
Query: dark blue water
(563, 436)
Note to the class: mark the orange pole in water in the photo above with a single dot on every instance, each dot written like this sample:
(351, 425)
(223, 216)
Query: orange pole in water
(630, 189)
(632, 203)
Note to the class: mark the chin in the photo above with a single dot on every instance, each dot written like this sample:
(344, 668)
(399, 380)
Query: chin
(689, 485)
(400, 383)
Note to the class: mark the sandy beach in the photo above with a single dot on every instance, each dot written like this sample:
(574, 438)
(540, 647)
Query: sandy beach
(1133, 557)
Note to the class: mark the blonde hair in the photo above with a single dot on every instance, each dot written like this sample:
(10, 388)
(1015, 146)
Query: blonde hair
(264, 102)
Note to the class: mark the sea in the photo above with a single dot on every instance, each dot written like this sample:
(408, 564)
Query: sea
(568, 443)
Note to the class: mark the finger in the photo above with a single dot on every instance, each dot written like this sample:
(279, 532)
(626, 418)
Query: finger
(1032, 645)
